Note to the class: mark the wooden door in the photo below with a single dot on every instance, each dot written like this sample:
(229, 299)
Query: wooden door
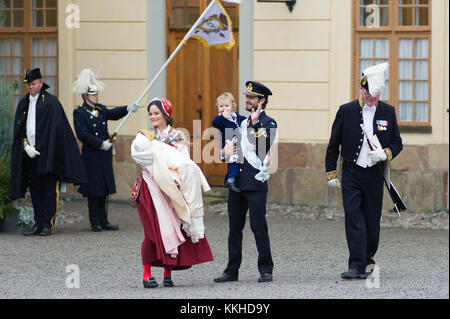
(195, 77)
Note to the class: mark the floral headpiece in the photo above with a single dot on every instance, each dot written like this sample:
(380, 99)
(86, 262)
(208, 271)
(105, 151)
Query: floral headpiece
(167, 106)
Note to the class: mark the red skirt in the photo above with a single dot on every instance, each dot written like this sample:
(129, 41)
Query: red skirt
(153, 252)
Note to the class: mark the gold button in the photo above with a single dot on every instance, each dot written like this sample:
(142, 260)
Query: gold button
(359, 147)
(354, 161)
(240, 170)
(357, 154)
(360, 140)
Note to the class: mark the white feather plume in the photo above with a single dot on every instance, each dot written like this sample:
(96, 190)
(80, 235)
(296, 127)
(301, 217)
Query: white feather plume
(376, 76)
(86, 78)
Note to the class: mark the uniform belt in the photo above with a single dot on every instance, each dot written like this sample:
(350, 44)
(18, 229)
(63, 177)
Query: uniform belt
(357, 167)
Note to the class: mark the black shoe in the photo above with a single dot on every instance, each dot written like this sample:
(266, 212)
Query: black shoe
(265, 278)
(226, 277)
(34, 231)
(109, 226)
(232, 186)
(167, 282)
(150, 283)
(96, 228)
(353, 273)
(45, 232)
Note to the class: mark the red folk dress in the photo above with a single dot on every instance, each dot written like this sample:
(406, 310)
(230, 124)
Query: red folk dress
(153, 252)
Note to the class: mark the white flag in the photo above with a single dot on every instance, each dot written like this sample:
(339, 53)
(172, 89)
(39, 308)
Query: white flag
(215, 28)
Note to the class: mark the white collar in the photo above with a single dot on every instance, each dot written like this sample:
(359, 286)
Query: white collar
(34, 98)
(367, 108)
(165, 132)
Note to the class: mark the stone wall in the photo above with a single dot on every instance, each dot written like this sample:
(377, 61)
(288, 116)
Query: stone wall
(419, 172)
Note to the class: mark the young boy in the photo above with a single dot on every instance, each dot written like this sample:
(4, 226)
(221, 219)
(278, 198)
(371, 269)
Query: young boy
(228, 123)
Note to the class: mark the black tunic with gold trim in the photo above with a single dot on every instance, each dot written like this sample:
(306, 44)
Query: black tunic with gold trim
(346, 133)
(91, 127)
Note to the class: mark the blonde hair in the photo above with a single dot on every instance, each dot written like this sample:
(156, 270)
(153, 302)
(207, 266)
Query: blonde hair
(228, 96)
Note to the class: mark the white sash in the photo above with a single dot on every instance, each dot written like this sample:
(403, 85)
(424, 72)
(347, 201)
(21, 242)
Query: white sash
(251, 156)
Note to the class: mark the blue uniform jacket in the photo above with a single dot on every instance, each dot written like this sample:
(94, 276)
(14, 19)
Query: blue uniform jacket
(92, 131)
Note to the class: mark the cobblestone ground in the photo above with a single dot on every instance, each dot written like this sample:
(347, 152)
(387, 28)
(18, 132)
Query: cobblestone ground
(308, 247)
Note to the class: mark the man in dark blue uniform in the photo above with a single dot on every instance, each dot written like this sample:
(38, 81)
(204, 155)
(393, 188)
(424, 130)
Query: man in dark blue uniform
(91, 126)
(257, 134)
(363, 167)
(44, 152)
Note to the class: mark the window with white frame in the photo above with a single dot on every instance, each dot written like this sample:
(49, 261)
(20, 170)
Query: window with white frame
(28, 39)
(398, 32)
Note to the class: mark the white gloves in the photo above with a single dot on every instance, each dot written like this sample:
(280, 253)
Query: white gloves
(106, 146)
(378, 155)
(31, 151)
(334, 183)
(133, 107)
(233, 158)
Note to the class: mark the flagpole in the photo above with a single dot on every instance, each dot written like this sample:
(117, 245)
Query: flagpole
(186, 37)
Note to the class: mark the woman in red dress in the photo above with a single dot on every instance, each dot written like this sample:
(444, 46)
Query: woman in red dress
(169, 242)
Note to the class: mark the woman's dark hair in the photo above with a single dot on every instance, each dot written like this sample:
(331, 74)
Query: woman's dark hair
(169, 119)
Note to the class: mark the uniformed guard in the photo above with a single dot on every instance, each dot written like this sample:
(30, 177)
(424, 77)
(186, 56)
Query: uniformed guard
(44, 152)
(257, 135)
(91, 126)
(363, 168)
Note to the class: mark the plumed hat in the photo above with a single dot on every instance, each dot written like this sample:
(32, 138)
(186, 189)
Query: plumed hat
(374, 77)
(87, 83)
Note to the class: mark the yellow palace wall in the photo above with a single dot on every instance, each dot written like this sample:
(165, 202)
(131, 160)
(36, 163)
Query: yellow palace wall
(111, 41)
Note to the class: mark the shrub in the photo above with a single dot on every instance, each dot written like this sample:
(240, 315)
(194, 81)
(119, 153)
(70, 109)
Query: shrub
(6, 137)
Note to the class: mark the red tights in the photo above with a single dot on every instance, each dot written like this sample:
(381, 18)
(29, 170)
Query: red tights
(148, 273)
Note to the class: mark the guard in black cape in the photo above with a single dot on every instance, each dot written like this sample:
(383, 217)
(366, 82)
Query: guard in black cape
(91, 126)
(363, 168)
(44, 152)
(257, 135)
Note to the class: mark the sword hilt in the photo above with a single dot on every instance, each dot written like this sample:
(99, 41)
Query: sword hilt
(113, 138)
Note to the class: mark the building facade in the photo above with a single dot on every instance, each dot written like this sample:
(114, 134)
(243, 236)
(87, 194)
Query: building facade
(310, 57)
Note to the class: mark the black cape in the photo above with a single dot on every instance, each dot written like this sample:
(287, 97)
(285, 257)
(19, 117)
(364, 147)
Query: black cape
(60, 155)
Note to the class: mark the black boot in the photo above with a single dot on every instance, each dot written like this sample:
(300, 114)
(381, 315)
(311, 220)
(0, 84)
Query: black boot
(231, 185)
(34, 231)
(96, 228)
(150, 283)
(225, 277)
(109, 226)
(167, 281)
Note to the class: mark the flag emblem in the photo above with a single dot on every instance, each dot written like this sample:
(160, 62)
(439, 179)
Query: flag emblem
(215, 28)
